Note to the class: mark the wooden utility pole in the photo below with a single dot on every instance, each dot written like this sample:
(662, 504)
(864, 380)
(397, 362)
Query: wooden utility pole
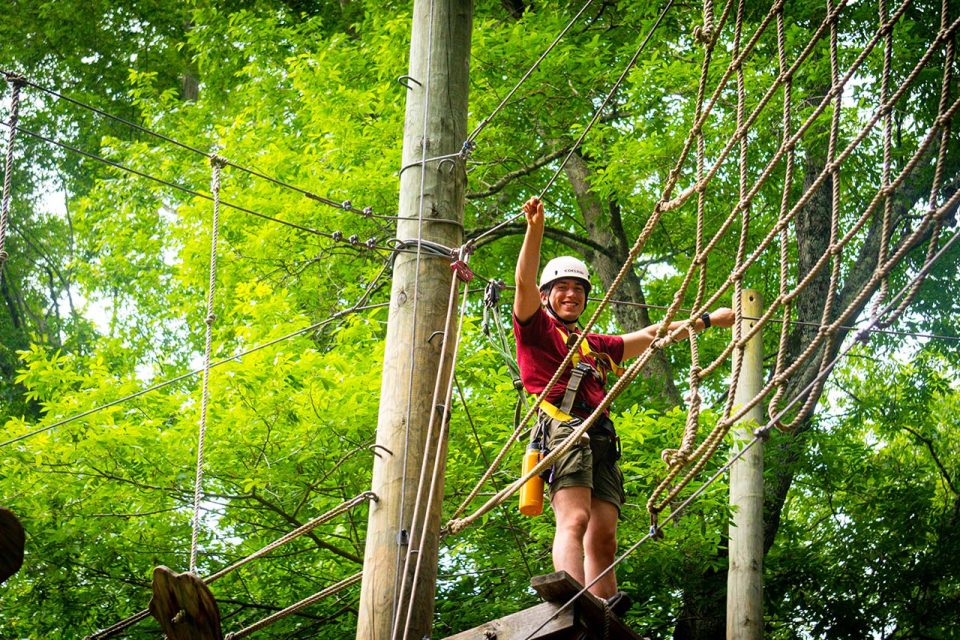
(745, 575)
(435, 125)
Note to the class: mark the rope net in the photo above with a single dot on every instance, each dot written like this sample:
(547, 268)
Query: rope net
(856, 217)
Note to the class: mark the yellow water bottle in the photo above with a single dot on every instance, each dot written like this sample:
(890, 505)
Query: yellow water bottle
(531, 493)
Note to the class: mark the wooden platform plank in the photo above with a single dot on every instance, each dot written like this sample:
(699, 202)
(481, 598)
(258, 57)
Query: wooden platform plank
(558, 588)
(519, 626)
(184, 606)
(12, 540)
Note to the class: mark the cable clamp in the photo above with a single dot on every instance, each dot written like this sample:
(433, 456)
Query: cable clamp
(346, 204)
(354, 240)
(467, 149)
(337, 236)
(371, 242)
(655, 532)
(491, 294)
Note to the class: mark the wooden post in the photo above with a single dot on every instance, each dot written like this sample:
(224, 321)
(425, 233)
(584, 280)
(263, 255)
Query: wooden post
(745, 575)
(436, 112)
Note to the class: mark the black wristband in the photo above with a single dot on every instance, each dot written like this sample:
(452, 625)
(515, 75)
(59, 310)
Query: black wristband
(705, 317)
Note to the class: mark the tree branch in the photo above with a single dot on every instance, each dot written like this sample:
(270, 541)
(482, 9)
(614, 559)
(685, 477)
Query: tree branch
(507, 178)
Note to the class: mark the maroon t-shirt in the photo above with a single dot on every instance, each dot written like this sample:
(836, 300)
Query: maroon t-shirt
(541, 349)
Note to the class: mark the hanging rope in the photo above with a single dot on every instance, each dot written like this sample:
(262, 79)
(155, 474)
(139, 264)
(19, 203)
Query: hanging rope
(216, 165)
(941, 155)
(16, 83)
(781, 361)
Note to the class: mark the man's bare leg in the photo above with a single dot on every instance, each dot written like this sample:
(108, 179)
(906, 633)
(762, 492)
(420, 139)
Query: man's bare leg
(572, 508)
(600, 547)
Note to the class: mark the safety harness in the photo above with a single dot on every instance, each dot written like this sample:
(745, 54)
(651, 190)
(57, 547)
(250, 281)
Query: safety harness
(581, 368)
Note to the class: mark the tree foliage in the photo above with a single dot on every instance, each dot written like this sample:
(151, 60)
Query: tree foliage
(106, 295)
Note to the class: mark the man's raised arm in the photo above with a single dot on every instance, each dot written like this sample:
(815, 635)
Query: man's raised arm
(526, 300)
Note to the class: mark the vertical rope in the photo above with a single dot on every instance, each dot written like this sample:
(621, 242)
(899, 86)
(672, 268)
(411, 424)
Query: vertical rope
(887, 152)
(744, 226)
(8, 168)
(784, 229)
(216, 165)
(703, 453)
(834, 169)
(935, 195)
(680, 456)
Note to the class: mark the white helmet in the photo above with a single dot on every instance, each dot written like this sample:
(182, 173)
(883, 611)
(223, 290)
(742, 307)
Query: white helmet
(565, 267)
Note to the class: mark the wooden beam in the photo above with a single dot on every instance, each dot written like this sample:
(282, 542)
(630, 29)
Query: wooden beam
(558, 588)
(519, 625)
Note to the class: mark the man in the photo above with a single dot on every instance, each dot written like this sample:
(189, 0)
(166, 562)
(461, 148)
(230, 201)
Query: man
(586, 485)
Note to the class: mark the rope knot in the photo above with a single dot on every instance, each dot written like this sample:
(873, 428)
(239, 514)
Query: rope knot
(703, 34)
(217, 160)
(210, 319)
(673, 457)
(3, 256)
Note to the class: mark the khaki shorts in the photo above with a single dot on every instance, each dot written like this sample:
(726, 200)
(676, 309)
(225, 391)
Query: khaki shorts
(594, 467)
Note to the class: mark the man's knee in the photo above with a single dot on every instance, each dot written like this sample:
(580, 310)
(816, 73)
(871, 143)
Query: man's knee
(601, 544)
(574, 523)
(572, 508)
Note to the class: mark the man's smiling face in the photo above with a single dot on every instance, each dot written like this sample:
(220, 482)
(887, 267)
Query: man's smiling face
(567, 297)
